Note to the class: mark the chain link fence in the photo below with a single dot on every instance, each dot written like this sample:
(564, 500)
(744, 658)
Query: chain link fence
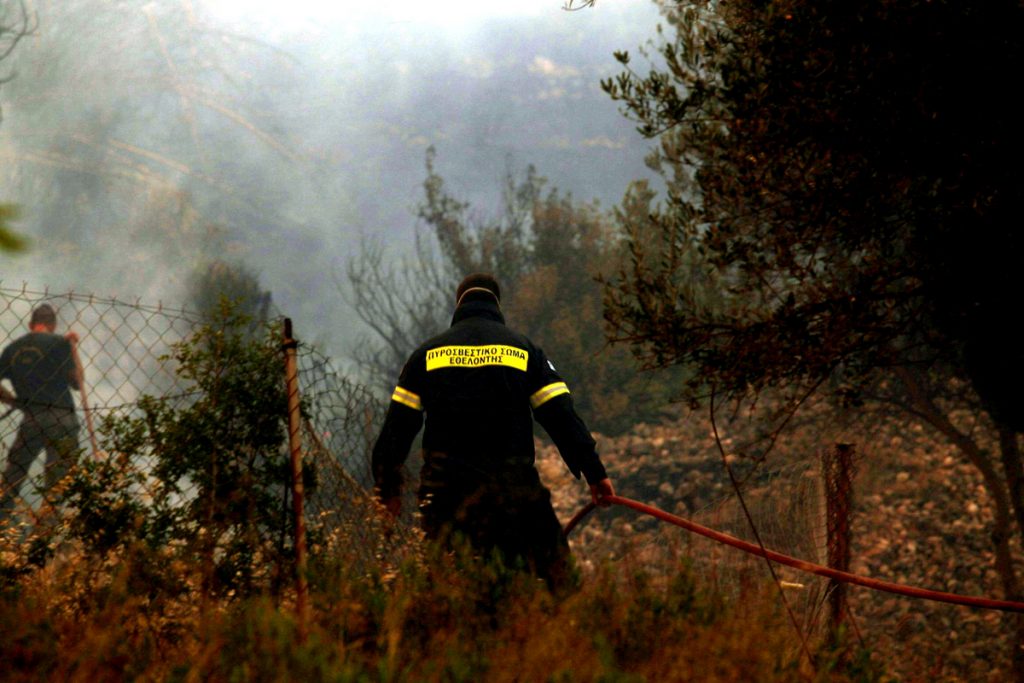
(126, 354)
(342, 421)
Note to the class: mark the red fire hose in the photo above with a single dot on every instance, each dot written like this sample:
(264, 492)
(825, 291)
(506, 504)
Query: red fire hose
(846, 577)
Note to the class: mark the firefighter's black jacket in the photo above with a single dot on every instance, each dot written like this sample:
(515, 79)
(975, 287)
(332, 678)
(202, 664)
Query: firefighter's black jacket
(478, 383)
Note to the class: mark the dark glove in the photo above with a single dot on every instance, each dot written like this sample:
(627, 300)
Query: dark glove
(600, 490)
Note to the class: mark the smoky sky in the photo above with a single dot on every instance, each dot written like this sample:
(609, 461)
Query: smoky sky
(143, 139)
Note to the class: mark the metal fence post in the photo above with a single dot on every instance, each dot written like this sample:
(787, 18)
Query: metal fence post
(289, 345)
(837, 467)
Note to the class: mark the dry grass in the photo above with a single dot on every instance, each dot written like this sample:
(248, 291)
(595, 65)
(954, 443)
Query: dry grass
(434, 619)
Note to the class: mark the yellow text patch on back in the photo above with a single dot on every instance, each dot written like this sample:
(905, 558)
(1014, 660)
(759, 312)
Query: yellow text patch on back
(476, 356)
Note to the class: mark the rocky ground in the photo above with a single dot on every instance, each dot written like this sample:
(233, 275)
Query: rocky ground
(921, 517)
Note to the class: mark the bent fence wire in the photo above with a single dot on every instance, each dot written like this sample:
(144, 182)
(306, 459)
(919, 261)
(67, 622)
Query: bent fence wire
(123, 349)
(338, 432)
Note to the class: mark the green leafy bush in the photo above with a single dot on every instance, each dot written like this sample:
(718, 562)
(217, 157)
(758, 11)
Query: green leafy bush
(199, 476)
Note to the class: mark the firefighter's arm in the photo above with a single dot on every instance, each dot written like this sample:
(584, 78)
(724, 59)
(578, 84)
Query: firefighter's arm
(402, 423)
(575, 444)
(553, 408)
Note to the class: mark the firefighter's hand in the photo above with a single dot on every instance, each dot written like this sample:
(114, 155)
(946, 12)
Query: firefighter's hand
(71, 336)
(600, 491)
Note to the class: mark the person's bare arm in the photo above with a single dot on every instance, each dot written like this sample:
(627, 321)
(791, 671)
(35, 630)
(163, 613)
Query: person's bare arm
(77, 373)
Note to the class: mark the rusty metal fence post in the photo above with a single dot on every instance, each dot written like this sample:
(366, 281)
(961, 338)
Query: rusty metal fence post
(837, 468)
(289, 345)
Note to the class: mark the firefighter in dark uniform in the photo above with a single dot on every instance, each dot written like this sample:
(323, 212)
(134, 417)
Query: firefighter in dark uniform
(480, 384)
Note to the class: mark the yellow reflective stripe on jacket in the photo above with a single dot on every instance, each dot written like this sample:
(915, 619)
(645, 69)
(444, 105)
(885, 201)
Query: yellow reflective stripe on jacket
(407, 398)
(475, 356)
(547, 393)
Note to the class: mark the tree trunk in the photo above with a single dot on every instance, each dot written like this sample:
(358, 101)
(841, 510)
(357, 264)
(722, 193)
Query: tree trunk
(1009, 449)
(1003, 509)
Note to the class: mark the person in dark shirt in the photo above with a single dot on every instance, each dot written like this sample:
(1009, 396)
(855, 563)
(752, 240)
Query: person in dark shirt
(480, 385)
(42, 370)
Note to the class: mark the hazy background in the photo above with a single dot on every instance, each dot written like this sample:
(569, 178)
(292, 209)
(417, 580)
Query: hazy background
(145, 139)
